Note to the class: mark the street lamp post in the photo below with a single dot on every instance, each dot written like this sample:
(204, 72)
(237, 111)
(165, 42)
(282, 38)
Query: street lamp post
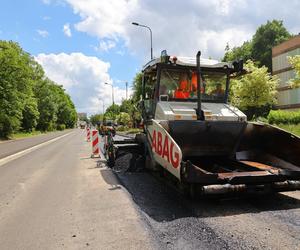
(112, 92)
(141, 25)
(102, 105)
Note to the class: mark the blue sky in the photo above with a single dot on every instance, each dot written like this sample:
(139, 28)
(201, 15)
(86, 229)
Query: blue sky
(84, 43)
(22, 20)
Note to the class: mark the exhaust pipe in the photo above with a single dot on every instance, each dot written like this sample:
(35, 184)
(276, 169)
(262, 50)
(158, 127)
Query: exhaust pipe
(199, 110)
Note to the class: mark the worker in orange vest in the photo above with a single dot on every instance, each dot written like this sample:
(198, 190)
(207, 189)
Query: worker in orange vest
(183, 90)
(194, 85)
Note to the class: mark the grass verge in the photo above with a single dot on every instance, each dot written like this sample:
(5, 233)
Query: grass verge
(293, 128)
(21, 135)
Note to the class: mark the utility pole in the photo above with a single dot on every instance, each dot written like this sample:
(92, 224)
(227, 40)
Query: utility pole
(112, 92)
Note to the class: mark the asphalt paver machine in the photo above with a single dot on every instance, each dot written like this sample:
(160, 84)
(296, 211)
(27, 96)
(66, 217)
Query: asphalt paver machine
(205, 144)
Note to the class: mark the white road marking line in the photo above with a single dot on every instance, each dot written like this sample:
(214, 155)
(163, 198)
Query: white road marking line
(28, 150)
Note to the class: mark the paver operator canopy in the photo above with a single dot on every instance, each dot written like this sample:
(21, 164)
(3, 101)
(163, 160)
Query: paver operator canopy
(170, 89)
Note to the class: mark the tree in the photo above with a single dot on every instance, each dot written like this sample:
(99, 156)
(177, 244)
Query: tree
(66, 113)
(137, 87)
(47, 105)
(126, 106)
(267, 36)
(295, 62)
(17, 76)
(243, 52)
(27, 98)
(259, 48)
(30, 115)
(109, 116)
(123, 118)
(114, 108)
(255, 92)
(112, 111)
(96, 119)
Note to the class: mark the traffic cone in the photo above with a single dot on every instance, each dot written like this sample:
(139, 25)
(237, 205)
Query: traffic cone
(88, 135)
(95, 143)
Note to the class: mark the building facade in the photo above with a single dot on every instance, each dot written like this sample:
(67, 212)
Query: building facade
(287, 98)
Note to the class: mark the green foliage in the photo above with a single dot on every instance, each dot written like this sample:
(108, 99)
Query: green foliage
(130, 107)
(267, 36)
(123, 118)
(122, 128)
(127, 106)
(126, 113)
(66, 113)
(17, 71)
(7, 125)
(29, 100)
(137, 87)
(110, 116)
(61, 126)
(114, 108)
(259, 48)
(111, 112)
(295, 62)
(284, 117)
(254, 91)
(54, 105)
(96, 119)
(30, 115)
(47, 105)
(23, 134)
(243, 52)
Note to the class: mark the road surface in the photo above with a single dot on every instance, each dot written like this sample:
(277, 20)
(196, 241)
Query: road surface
(57, 197)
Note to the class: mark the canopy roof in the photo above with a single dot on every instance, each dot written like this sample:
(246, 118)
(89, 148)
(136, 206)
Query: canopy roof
(191, 62)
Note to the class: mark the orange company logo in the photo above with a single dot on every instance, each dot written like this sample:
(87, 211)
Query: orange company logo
(165, 148)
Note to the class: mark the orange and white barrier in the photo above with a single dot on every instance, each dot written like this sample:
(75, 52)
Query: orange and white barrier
(88, 134)
(95, 143)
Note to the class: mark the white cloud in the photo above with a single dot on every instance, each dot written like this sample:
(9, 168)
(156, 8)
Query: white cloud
(181, 27)
(67, 30)
(43, 33)
(106, 45)
(46, 18)
(104, 19)
(83, 77)
(56, 2)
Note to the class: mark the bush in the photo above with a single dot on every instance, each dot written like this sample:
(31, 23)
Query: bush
(122, 128)
(284, 117)
(61, 126)
(6, 125)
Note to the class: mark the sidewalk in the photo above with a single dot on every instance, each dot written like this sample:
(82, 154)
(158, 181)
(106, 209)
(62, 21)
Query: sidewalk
(113, 219)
